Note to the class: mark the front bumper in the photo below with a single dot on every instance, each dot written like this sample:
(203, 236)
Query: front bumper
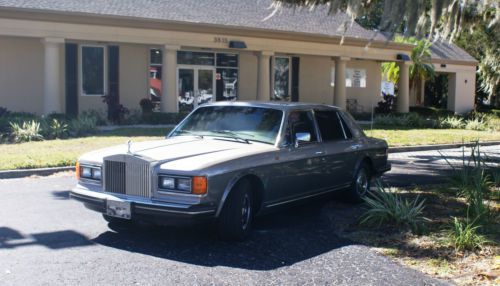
(145, 209)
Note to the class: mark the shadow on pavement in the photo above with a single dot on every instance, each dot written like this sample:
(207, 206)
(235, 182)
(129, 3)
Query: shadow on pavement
(11, 238)
(278, 240)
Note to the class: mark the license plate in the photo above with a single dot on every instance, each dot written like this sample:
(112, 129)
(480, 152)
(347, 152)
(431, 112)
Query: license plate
(118, 209)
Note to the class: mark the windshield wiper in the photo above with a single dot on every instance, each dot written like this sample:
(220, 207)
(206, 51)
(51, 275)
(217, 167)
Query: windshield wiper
(232, 135)
(188, 132)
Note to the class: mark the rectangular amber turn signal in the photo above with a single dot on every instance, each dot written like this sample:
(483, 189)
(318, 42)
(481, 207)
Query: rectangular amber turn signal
(77, 171)
(199, 186)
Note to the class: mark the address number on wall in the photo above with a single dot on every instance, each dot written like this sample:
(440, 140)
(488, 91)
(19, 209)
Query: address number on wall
(221, 40)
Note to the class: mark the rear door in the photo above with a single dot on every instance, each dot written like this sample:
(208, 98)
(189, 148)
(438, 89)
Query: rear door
(341, 152)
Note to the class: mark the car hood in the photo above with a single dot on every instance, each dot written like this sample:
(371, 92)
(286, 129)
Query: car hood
(183, 152)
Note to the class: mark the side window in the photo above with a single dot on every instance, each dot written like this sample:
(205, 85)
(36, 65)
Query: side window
(301, 122)
(330, 125)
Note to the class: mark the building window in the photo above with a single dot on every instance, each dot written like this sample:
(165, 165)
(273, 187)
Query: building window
(195, 58)
(282, 77)
(93, 70)
(155, 75)
(227, 76)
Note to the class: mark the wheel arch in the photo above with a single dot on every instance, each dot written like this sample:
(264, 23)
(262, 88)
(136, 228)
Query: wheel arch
(257, 190)
(365, 159)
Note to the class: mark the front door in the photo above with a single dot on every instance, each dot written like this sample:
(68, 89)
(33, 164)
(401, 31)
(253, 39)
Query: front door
(196, 86)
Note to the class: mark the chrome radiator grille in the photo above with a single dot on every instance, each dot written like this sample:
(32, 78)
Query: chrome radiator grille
(129, 175)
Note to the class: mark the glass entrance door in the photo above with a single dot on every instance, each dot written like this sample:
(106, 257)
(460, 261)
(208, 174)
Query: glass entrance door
(196, 86)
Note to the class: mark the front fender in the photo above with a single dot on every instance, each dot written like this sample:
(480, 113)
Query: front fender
(229, 187)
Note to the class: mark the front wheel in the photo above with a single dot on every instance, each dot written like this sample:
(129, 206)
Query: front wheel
(235, 220)
(360, 185)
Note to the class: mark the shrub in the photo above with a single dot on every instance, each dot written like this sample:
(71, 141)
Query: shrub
(384, 120)
(413, 120)
(146, 105)
(58, 129)
(464, 235)
(471, 181)
(431, 111)
(116, 111)
(99, 116)
(25, 132)
(386, 105)
(83, 125)
(387, 207)
(3, 112)
(165, 118)
(135, 116)
(475, 124)
(450, 122)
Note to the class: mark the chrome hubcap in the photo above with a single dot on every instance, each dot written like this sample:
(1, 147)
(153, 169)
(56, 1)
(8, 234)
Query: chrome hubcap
(362, 183)
(246, 212)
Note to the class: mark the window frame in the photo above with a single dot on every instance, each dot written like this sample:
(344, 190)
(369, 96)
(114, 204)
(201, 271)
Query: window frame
(289, 78)
(339, 118)
(104, 68)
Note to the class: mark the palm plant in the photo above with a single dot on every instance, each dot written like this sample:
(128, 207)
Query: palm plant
(420, 70)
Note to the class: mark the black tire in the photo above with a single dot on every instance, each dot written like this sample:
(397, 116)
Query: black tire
(235, 219)
(361, 183)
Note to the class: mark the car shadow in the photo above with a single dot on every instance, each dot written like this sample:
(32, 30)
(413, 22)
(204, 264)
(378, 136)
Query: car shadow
(278, 240)
(11, 238)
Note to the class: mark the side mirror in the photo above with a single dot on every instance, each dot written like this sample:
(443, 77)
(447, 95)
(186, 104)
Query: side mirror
(302, 137)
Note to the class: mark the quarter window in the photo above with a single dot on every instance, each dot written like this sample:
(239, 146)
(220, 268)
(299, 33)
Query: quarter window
(330, 126)
(93, 73)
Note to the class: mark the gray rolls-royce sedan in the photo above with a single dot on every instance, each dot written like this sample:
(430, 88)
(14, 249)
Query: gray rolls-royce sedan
(230, 161)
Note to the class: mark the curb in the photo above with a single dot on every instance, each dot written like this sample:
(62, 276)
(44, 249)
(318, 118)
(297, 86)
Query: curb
(14, 174)
(439, 146)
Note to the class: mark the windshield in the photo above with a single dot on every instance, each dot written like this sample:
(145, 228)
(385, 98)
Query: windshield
(237, 122)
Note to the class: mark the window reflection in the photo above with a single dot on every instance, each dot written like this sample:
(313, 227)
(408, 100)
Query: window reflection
(281, 79)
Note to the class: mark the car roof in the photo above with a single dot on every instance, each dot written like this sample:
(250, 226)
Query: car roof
(285, 106)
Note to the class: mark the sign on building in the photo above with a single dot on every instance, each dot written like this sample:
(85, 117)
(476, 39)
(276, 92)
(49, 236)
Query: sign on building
(353, 78)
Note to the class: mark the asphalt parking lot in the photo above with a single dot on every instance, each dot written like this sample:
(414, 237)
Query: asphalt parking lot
(47, 239)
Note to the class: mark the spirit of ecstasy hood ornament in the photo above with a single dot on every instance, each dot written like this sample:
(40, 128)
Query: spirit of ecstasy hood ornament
(129, 144)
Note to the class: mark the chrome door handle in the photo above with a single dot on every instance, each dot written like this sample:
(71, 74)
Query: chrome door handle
(319, 152)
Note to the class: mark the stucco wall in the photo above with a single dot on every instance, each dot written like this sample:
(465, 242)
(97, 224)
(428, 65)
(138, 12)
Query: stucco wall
(133, 77)
(248, 76)
(134, 66)
(21, 74)
(315, 81)
(461, 86)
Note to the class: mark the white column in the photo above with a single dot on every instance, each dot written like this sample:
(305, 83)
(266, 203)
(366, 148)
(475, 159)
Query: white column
(403, 100)
(339, 97)
(169, 79)
(264, 76)
(52, 75)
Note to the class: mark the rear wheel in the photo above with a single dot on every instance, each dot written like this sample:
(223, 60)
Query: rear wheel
(235, 220)
(360, 185)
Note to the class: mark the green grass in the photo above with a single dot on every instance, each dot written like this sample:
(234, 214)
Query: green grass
(56, 153)
(408, 137)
